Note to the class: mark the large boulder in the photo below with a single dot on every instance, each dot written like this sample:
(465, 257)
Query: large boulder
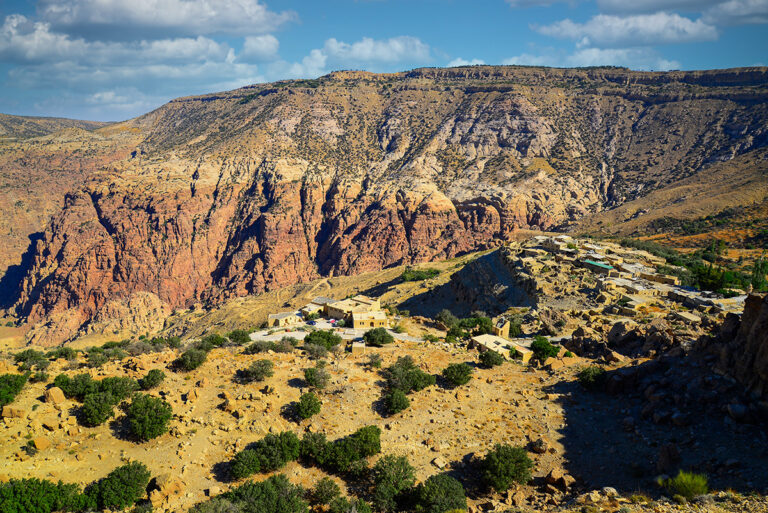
(749, 349)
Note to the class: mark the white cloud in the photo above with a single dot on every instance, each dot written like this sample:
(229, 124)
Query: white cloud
(738, 12)
(645, 6)
(607, 31)
(463, 62)
(369, 53)
(634, 58)
(394, 49)
(260, 48)
(113, 18)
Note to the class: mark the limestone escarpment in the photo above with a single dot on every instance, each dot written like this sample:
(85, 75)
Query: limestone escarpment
(269, 185)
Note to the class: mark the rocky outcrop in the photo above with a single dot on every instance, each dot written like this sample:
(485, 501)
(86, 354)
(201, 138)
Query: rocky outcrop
(746, 356)
(250, 190)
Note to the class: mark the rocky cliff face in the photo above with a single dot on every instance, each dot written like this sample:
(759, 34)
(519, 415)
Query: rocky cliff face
(257, 188)
(747, 352)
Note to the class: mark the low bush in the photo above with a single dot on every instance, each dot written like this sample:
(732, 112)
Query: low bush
(211, 341)
(10, 386)
(315, 351)
(490, 359)
(312, 447)
(40, 496)
(542, 349)
(374, 361)
(191, 359)
(273, 495)
(77, 387)
(505, 465)
(592, 377)
(457, 374)
(396, 401)
(344, 505)
(96, 359)
(406, 376)
(31, 359)
(325, 491)
(378, 337)
(325, 338)
(153, 379)
(391, 477)
(97, 408)
(268, 454)
(363, 443)
(121, 488)
(411, 274)
(62, 352)
(438, 494)
(317, 377)
(687, 484)
(258, 371)
(120, 387)
(39, 377)
(308, 405)
(148, 417)
(239, 337)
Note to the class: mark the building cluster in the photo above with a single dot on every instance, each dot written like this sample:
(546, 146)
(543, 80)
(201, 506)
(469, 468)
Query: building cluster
(359, 312)
(630, 274)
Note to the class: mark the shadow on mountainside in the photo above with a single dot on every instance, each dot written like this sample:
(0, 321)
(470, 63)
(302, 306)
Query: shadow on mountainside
(485, 284)
(656, 418)
(10, 282)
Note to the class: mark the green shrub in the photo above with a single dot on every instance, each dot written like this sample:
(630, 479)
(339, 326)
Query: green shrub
(438, 494)
(317, 377)
(62, 352)
(477, 325)
(77, 387)
(308, 405)
(396, 401)
(505, 465)
(458, 374)
(258, 371)
(378, 337)
(406, 376)
(148, 417)
(447, 318)
(98, 408)
(340, 455)
(687, 484)
(325, 491)
(344, 505)
(10, 386)
(325, 338)
(191, 359)
(121, 488)
(312, 447)
(39, 377)
(398, 328)
(411, 274)
(315, 351)
(239, 337)
(96, 359)
(490, 359)
(30, 359)
(592, 377)
(39, 496)
(391, 477)
(153, 378)
(374, 361)
(542, 349)
(273, 495)
(120, 387)
(210, 341)
(268, 454)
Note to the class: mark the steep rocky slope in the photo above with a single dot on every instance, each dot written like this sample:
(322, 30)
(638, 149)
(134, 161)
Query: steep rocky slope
(250, 190)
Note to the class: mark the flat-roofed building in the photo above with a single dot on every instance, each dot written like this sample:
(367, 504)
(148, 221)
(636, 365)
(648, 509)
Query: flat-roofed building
(502, 346)
(344, 308)
(317, 305)
(283, 319)
(377, 319)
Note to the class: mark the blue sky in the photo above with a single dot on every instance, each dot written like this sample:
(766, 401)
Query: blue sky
(115, 59)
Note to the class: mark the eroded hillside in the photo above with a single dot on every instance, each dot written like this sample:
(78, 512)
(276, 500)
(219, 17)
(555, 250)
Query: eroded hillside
(245, 191)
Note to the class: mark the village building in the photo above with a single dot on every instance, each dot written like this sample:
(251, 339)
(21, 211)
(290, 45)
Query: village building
(501, 327)
(377, 319)
(502, 346)
(281, 320)
(344, 308)
(598, 267)
(317, 305)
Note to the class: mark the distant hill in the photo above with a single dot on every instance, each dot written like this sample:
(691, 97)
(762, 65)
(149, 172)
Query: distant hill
(24, 127)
